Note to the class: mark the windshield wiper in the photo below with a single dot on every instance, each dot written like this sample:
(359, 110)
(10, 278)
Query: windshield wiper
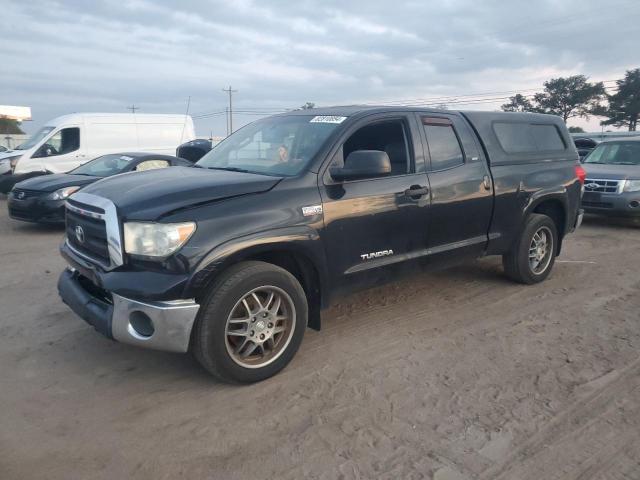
(230, 169)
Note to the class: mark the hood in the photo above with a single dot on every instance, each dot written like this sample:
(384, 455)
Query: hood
(611, 172)
(51, 183)
(11, 153)
(151, 194)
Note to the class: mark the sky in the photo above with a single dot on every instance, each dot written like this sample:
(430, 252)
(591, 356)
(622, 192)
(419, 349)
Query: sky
(60, 57)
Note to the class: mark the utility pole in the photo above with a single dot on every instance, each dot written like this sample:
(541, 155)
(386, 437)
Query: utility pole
(230, 92)
(133, 108)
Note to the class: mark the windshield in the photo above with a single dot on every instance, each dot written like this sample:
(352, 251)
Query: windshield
(104, 166)
(618, 153)
(35, 138)
(281, 145)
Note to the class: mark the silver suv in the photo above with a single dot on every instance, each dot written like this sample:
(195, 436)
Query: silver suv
(612, 186)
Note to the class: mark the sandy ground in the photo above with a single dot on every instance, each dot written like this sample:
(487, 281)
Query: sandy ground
(451, 375)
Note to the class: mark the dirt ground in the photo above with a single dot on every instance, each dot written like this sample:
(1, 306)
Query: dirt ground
(452, 375)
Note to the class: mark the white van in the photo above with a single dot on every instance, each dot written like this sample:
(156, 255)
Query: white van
(67, 142)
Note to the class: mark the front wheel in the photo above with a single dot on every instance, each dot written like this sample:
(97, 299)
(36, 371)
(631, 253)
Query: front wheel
(533, 255)
(251, 324)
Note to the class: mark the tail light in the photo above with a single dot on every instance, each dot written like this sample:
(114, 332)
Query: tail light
(581, 174)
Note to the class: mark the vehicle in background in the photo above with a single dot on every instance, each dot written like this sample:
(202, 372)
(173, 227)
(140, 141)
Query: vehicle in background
(69, 141)
(584, 145)
(234, 259)
(41, 199)
(612, 185)
(194, 150)
(3, 149)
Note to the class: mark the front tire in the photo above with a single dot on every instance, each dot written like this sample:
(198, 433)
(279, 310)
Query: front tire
(251, 323)
(533, 255)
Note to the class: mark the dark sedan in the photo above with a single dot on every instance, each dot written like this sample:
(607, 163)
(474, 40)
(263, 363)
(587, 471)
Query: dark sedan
(41, 199)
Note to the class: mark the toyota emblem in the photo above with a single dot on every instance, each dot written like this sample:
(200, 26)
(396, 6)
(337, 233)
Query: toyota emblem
(79, 234)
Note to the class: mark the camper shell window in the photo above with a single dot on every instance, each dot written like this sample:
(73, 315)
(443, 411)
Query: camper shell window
(528, 137)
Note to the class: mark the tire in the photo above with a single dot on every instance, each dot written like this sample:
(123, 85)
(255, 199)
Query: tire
(517, 263)
(227, 338)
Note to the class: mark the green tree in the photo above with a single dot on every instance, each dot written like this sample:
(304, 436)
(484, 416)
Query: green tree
(576, 130)
(624, 105)
(518, 103)
(569, 97)
(9, 126)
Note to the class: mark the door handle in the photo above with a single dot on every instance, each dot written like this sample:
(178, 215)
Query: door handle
(486, 181)
(416, 191)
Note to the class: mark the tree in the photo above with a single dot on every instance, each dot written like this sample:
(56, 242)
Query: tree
(308, 106)
(570, 97)
(624, 105)
(576, 130)
(10, 126)
(518, 103)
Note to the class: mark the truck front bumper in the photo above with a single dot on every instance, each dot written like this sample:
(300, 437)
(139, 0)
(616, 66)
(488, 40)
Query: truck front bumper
(161, 325)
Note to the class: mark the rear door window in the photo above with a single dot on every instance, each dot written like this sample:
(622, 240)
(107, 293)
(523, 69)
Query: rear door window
(444, 146)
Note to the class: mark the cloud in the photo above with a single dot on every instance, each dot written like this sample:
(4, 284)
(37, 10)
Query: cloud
(65, 56)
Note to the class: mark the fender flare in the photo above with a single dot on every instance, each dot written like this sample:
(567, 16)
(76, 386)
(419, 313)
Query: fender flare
(302, 240)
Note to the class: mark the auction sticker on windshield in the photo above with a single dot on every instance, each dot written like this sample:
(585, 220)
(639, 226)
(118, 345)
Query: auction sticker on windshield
(327, 119)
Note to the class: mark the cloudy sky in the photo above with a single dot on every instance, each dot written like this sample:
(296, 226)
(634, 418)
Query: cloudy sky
(72, 56)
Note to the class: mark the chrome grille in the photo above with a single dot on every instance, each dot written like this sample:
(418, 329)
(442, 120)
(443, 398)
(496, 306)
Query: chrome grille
(88, 236)
(93, 230)
(602, 186)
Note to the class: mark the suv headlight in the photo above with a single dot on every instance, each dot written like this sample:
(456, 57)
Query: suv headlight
(632, 186)
(63, 193)
(156, 239)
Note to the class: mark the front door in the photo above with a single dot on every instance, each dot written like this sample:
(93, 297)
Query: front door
(461, 186)
(62, 151)
(376, 222)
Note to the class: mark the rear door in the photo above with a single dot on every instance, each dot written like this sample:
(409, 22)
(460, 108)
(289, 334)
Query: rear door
(461, 186)
(376, 222)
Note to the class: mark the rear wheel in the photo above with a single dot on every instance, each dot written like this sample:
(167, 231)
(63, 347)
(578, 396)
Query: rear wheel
(251, 324)
(533, 255)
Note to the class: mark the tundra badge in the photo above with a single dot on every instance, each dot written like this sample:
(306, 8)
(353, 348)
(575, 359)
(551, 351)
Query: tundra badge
(381, 253)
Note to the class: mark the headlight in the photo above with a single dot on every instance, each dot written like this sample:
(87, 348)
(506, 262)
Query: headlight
(63, 193)
(156, 239)
(632, 186)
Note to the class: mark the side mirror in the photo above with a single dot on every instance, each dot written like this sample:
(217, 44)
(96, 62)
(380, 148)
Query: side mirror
(362, 164)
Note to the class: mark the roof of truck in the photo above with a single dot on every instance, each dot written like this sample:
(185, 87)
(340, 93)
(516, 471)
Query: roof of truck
(356, 110)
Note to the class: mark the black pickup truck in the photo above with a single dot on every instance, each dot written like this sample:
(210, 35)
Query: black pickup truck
(234, 258)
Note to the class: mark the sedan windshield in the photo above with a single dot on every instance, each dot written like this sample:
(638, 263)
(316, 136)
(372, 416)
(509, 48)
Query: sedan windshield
(35, 138)
(104, 166)
(615, 153)
(281, 145)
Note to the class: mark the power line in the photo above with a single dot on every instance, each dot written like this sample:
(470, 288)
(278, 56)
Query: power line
(133, 108)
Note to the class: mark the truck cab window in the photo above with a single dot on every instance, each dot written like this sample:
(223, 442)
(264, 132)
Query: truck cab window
(389, 137)
(64, 141)
(444, 147)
